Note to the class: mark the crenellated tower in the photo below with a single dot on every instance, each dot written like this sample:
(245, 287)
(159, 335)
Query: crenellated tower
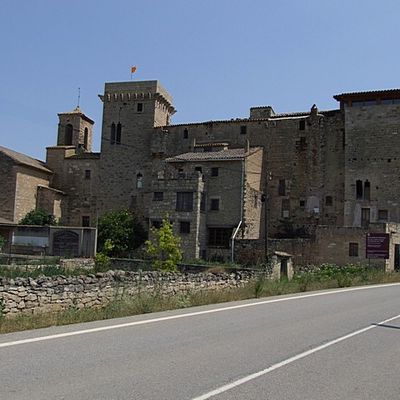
(131, 111)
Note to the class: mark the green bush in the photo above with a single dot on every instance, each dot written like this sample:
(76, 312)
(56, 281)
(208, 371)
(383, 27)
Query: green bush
(38, 217)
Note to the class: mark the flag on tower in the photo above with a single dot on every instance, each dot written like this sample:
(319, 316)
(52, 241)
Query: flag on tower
(133, 69)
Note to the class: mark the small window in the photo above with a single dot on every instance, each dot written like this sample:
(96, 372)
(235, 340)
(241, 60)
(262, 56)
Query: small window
(214, 204)
(203, 202)
(119, 132)
(219, 237)
(85, 220)
(68, 134)
(285, 208)
(365, 217)
(88, 173)
(139, 107)
(199, 169)
(353, 249)
(302, 125)
(214, 171)
(282, 187)
(112, 137)
(328, 201)
(156, 224)
(243, 129)
(86, 139)
(139, 181)
(185, 134)
(158, 196)
(367, 190)
(383, 215)
(184, 201)
(359, 190)
(302, 203)
(184, 227)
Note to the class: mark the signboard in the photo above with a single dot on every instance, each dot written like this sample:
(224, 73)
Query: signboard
(377, 245)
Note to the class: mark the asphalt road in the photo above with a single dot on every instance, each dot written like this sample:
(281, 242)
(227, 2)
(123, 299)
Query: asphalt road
(325, 345)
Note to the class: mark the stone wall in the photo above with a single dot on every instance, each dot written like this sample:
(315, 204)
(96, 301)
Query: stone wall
(49, 294)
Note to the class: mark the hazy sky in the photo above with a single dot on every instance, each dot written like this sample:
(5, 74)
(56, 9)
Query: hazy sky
(217, 58)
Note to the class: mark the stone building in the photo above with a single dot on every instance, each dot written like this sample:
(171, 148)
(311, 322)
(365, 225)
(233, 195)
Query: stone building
(229, 184)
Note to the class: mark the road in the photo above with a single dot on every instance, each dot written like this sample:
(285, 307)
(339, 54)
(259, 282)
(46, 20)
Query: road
(338, 344)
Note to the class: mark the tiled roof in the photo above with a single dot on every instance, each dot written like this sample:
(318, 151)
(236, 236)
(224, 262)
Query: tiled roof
(78, 111)
(222, 155)
(4, 221)
(384, 92)
(23, 159)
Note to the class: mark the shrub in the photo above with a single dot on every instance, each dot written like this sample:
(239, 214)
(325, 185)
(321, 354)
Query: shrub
(38, 217)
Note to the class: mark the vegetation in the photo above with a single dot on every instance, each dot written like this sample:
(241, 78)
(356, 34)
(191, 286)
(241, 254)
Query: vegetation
(47, 270)
(38, 217)
(323, 277)
(164, 249)
(2, 242)
(119, 234)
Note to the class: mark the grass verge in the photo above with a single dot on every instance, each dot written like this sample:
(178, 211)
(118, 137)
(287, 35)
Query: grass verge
(327, 277)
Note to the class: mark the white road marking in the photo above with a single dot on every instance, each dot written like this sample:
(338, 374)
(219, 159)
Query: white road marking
(299, 356)
(186, 315)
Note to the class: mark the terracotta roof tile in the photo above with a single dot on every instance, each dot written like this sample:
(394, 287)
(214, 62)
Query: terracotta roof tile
(23, 159)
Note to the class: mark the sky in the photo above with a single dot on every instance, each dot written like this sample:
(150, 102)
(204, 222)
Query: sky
(217, 58)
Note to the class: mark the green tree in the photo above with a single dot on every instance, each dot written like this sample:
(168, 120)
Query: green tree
(164, 248)
(119, 233)
(2, 242)
(38, 217)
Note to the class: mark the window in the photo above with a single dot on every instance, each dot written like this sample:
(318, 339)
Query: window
(302, 125)
(112, 136)
(184, 227)
(86, 139)
(365, 217)
(88, 173)
(285, 208)
(383, 215)
(68, 134)
(219, 237)
(185, 134)
(243, 129)
(203, 202)
(85, 220)
(214, 171)
(139, 181)
(156, 224)
(328, 201)
(214, 204)
(184, 201)
(118, 136)
(302, 203)
(359, 190)
(303, 143)
(367, 190)
(158, 196)
(353, 249)
(282, 187)
(199, 169)
(139, 107)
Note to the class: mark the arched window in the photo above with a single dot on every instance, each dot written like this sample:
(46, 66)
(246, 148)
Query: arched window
(118, 137)
(112, 137)
(86, 138)
(68, 134)
(139, 181)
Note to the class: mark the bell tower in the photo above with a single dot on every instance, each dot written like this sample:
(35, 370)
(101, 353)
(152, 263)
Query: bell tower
(75, 129)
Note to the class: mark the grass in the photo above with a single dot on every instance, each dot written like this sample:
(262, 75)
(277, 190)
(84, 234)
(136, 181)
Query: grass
(326, 277)
(30, 271)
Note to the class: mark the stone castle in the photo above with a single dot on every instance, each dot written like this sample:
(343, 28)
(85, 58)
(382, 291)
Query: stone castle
(314, 183)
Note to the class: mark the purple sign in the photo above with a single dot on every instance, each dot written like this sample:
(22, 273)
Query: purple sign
(377, 245)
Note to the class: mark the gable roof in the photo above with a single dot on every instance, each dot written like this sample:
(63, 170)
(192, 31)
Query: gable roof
(23, 159)
(222, 155)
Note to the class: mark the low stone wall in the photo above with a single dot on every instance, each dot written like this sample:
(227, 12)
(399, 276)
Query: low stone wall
(49, 294)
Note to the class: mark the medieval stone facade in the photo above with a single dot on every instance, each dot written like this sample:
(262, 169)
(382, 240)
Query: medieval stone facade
(282, 176)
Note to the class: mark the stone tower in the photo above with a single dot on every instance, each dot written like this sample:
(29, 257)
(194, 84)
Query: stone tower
(131, 111)
(75, 129)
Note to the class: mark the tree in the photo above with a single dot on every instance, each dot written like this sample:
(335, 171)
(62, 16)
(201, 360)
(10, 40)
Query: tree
(38, 217)
(119, 233)
(164, 248)
(2, 242)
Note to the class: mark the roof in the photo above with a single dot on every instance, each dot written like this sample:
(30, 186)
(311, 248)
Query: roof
(78, 111)
(85, 156)
(23, 159)
(385, 93)
(4, 221)
(245, 120)
(222, 155)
